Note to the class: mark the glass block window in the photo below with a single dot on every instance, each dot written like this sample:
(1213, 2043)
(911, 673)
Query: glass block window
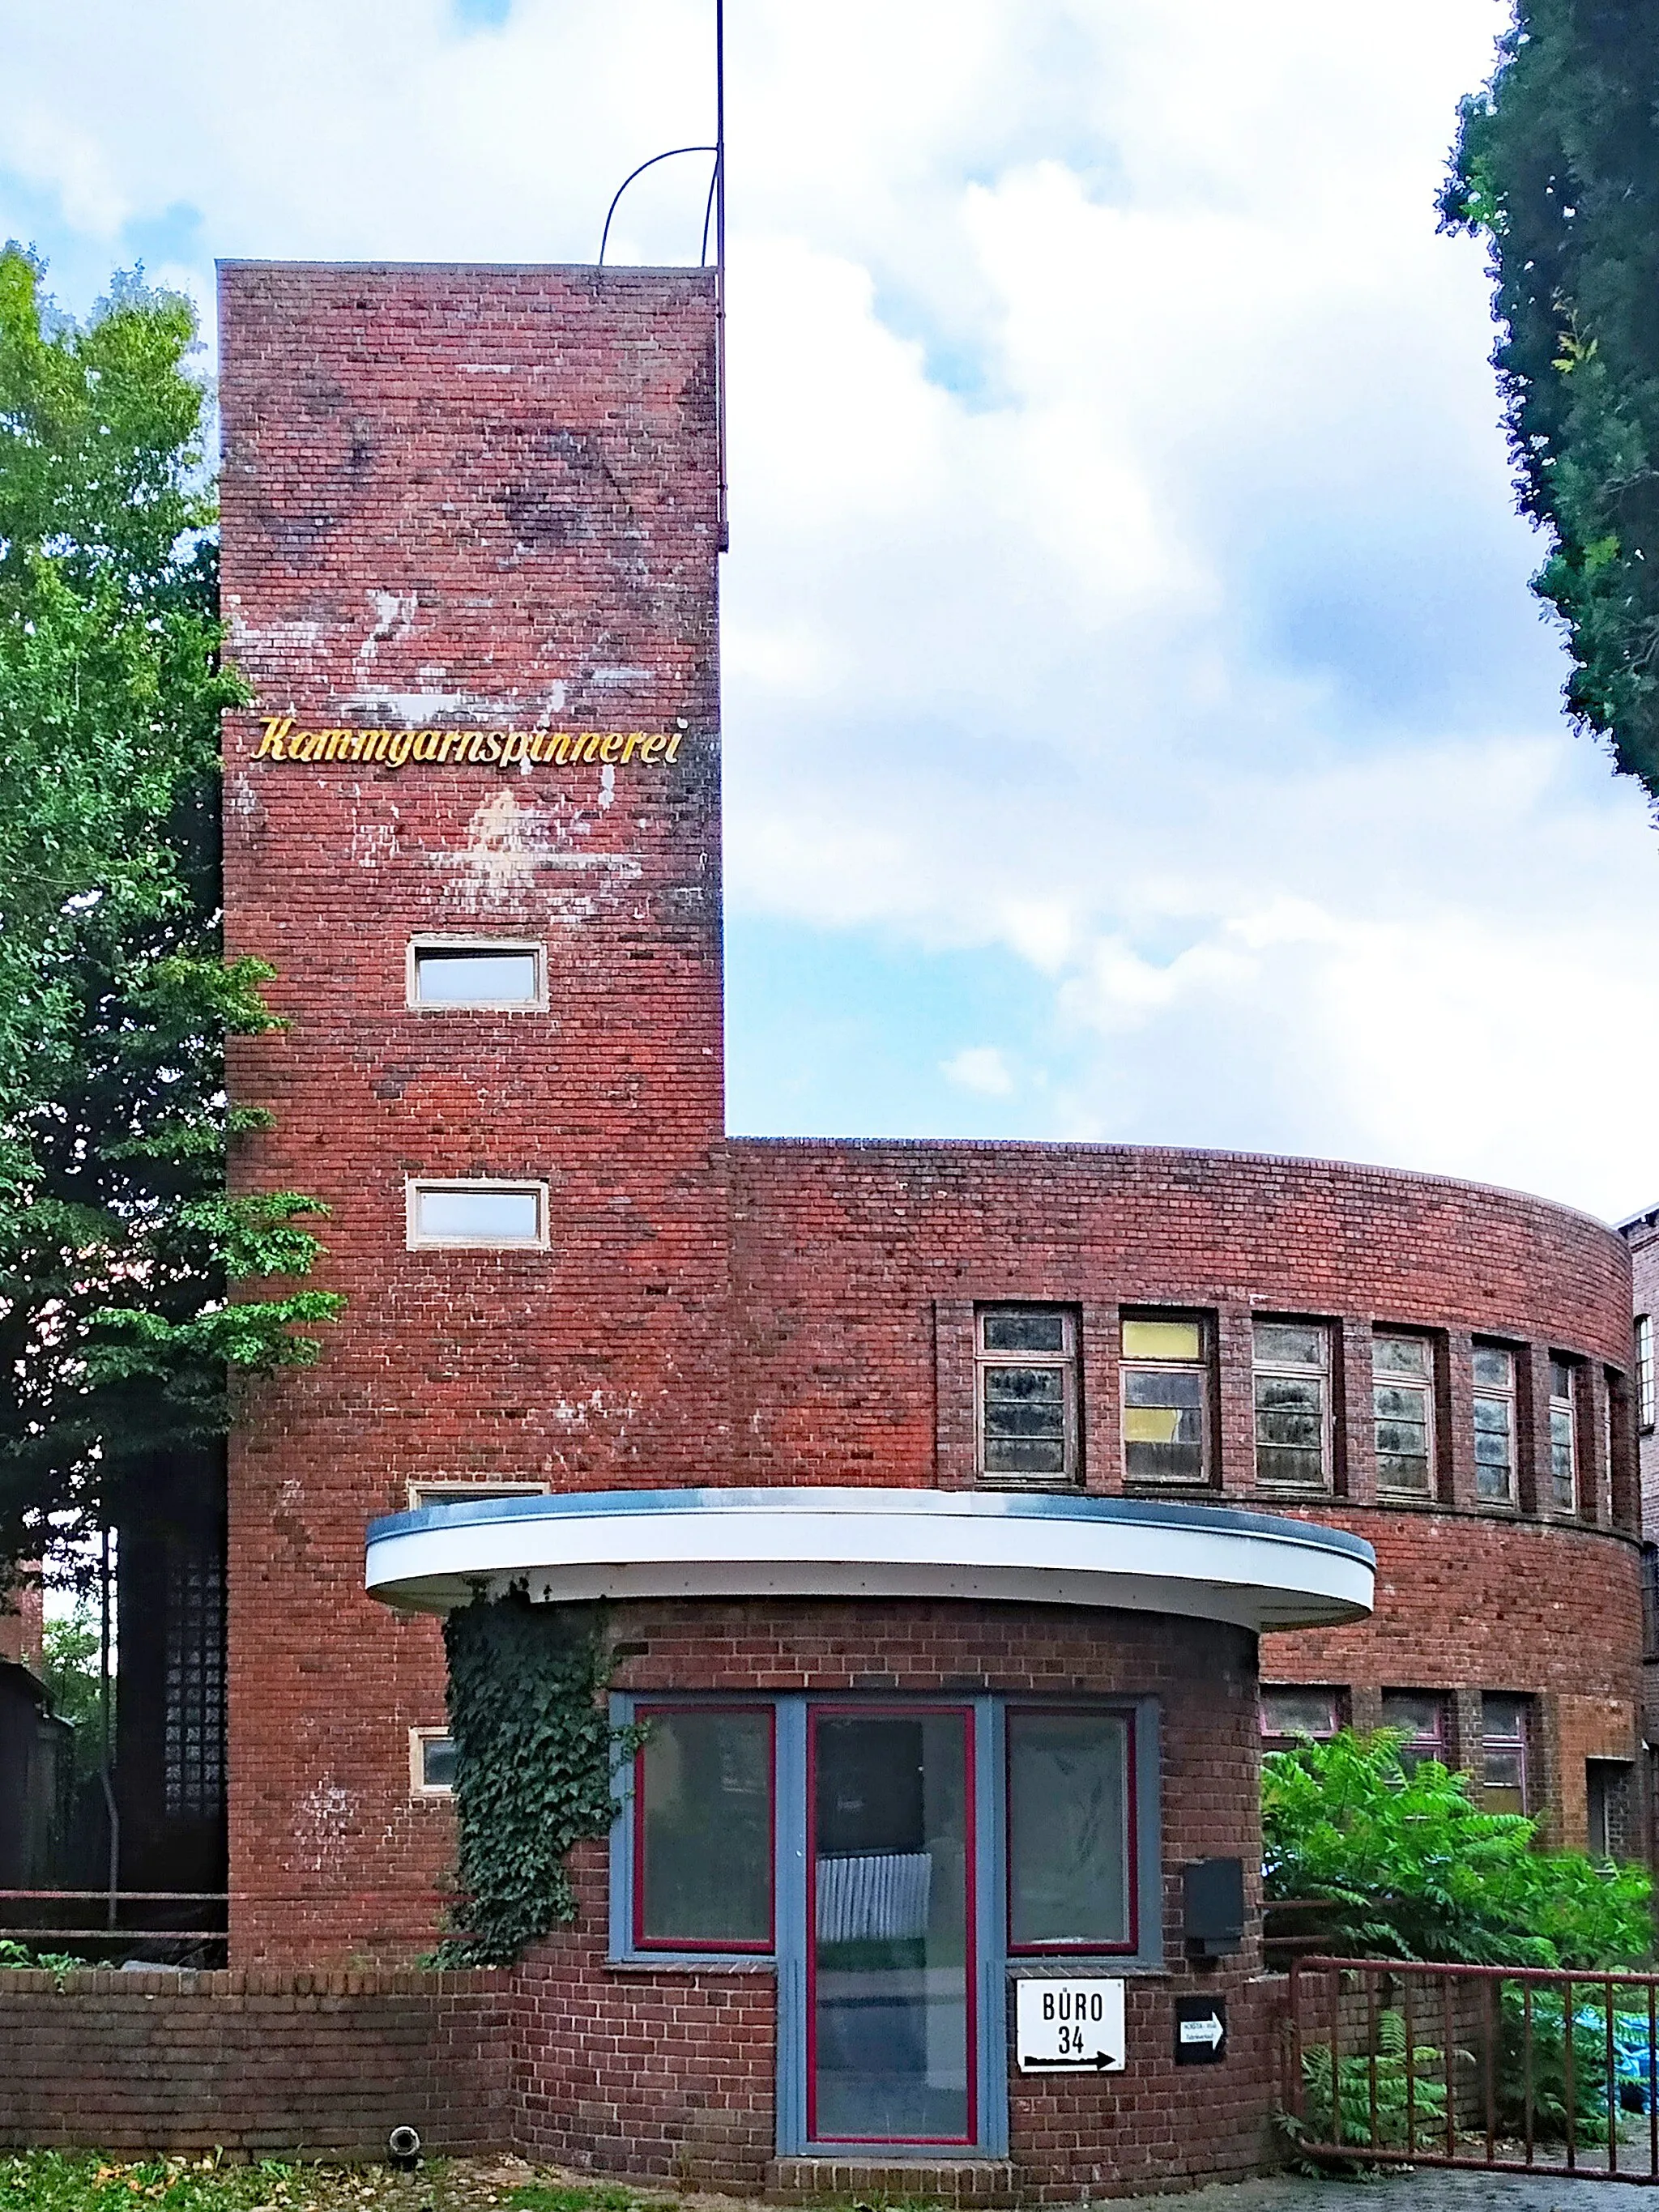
(1402, 1405)
(1423, 1715)
(1292, 1383)
(1290, 1714)
(702, 1828)
(1071, 1846)
(194, 1704)
(484, 973)
(1494, 1424)
(1165, 1381)
(1644, 1372)
(478, 1214)
(1563, 1437)
(1026, 1400)
(1504, 1746)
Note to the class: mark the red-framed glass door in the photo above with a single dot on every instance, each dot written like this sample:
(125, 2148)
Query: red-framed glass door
(891, 1974)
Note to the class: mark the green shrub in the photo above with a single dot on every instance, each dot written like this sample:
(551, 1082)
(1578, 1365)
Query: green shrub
(1424, 2110)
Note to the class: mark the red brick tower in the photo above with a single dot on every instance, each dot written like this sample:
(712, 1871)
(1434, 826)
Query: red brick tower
(469, 572)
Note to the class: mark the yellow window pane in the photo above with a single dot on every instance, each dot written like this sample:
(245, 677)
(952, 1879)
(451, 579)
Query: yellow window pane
(1162, 1340)
(1152, 1424)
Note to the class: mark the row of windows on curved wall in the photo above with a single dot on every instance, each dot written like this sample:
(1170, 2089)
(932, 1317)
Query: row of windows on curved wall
(1029, 1405)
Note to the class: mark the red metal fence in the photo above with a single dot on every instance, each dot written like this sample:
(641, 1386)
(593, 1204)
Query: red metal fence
(1506, 2070)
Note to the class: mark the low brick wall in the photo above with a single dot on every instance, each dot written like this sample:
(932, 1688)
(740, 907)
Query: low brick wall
(255, 2064)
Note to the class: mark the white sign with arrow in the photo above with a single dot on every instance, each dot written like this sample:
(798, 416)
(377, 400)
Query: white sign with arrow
(1068, 2027)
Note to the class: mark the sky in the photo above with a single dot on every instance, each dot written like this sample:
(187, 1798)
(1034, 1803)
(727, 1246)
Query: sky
(1138, 726)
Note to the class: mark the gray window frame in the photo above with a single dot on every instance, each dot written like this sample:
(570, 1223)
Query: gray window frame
(1067, 1363)
(486, 946)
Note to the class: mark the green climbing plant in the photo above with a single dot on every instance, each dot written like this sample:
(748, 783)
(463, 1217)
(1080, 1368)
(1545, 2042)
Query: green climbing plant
(535, 1757)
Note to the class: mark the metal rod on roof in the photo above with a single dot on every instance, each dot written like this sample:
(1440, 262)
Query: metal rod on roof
(725, 540)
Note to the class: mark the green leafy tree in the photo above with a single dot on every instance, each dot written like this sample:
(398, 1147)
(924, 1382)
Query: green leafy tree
(1557, 167)
(1413, 1869)
(129, 1280)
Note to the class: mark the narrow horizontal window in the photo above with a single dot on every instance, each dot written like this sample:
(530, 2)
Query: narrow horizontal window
(1292, 1383)
(1071, 1841)
(1026, 1393)
(1402, 1406)
(1288, 1715)
(477, 1214)
(466, 1493)
(1494, 1424)
(1423, 1716)
(484, 973)
(1165, 1379)
(431, 1763)
(703, 1815)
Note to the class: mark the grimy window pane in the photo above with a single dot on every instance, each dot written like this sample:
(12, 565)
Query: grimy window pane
(1299, 1712)
(1400, 1355)
(1494, 1448)
(1494, 1368)
(1401, 1416)
(1289, 1344)
(437, 1762)
(1024, 1420)
(1024, 1330)
(478, 1216)
(1163, 1340)
(1163, 1424)
(705, 1780)
(1069, 1828)
(1289, 1431)
(445, 978)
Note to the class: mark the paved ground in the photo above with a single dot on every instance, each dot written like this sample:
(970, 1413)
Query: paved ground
(1425, 2191)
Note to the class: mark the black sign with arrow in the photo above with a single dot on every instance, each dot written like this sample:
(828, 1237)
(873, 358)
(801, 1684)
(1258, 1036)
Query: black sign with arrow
(1201, 2035)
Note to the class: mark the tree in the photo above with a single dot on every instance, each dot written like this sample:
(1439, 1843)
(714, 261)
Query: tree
(1557, 166)
(1415, 1869)
(126, 1271)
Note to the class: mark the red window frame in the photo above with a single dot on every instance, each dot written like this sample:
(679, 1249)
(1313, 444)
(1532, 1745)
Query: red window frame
(972, 1963)
(1083, 1946)
(743, 1947)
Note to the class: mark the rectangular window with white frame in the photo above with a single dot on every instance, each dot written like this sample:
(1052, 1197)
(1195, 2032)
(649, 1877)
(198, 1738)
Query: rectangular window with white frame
(1564, 1436)
(1292, 1391)
(1166, 1380)
(477, 1215)
(1025, 1409)
(1505, 1733)
(470, 1493)
(431, 1763)
(1494, 1424)
(1402, 1408)
(486, 974)
(1645, 1372)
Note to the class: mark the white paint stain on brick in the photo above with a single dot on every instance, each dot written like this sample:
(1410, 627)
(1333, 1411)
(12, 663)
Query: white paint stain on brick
(320, 1821)
(421, 709)
(508, 844)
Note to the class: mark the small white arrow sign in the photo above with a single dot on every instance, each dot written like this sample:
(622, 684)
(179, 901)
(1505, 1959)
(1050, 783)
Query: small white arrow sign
(1208, 2031)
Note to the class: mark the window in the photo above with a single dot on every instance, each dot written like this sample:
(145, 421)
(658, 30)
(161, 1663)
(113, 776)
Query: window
(1563, 1439)
(702, 1816)
(1644, 1372)
(484, 973)
(1070, 1853)
(1606, 1808)
(1293, 1405)
(480, 1214)
(1288, 1715)
(466, 1493)
(1027, 1395)
(1503, 1753)
(1494, 1424)
(431, 1763)
(1423, 1715)
(1166, 1399)
(1402, 1406)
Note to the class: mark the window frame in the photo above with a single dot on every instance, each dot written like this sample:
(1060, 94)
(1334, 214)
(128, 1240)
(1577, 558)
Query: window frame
(1442, 1738)
(1067, 1361)
(1428, 1384)
(1281, 1739)
(1519, 1744)
(1204, 1367)
(1567, 1402)
(691, 1946)
(420, 1789)
(1326, 1485)
(442, 1490)
(1509, 1398)
(416, 1186)
(1088, 1946)
(1642, 1334)
(438, 942)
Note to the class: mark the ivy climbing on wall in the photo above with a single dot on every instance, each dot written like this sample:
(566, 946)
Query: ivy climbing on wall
(536, 1753)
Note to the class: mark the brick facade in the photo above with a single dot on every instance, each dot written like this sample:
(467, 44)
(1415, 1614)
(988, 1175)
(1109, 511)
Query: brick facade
(463, 501)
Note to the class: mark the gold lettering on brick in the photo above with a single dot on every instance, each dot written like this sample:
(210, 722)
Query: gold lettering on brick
(394, 749)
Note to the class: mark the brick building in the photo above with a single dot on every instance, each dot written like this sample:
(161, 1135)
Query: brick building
(950, 1501)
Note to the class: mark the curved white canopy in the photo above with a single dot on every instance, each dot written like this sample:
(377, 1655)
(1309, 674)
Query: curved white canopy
(1206, 1562)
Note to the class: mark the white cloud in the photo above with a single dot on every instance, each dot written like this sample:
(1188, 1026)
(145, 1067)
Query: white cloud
(1124, 580)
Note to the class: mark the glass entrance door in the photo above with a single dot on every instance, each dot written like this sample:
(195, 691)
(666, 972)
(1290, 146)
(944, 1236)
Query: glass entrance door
(890, 1967)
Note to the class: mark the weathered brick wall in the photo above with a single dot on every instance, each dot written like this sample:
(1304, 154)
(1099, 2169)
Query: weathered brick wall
(258, 2064)
(671, 2072)
(454, 499)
